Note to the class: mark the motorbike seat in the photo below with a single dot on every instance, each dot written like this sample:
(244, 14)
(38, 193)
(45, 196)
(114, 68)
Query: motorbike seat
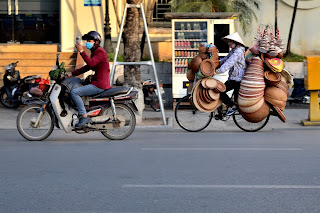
(113, 92)
(32, 77)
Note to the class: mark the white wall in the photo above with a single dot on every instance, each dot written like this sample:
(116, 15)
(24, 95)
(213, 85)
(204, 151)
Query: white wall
(77, 19)
(306, 31)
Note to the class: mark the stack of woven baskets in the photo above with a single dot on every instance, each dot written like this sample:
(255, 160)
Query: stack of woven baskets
(205, 94)
(204, 64)
(251, 93)
(266, 82)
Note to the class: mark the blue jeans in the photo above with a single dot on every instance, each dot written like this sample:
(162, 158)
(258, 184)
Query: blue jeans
(88, 90)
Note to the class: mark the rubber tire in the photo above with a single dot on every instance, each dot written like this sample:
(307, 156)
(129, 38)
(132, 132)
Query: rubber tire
(249, 130)
(183, 127)
(4, 103)
(133, 120)
(153, 104)
(23, 134)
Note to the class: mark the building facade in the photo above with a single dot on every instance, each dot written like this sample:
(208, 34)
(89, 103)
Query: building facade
(61, 21)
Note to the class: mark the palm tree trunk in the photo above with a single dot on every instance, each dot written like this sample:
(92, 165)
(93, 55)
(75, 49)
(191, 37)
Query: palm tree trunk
(132, 51)
(291, 27)
(149, 11)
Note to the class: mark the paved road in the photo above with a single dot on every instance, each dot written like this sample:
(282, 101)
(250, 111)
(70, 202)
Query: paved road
(162, 170)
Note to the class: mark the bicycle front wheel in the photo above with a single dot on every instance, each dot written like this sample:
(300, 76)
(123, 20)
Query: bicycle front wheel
(190, 118)
(34, 124)
(248, 126)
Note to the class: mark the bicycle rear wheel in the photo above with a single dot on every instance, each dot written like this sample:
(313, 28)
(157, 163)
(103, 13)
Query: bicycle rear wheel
(248, 126)
(190, 118)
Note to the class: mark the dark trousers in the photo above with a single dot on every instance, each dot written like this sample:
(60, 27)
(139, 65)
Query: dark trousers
(230, 85)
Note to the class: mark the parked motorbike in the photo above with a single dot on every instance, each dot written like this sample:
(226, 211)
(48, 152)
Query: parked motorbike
(111, 112)
(150, 93)
(299, 94)
(16, 90)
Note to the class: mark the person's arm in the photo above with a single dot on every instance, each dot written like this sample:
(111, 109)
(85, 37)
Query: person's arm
(94, 60)
(224, 59)
(81, 70)
(232, 60)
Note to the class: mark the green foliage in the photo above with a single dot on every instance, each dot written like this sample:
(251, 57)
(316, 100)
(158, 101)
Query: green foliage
(244, 7)
(292, 57)
(111, 57)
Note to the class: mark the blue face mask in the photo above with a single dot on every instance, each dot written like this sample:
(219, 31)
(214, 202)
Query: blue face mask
(89, 45)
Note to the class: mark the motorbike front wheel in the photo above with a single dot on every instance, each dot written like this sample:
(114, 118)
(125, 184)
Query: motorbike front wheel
(4, 99)
(129, 125)
(34, 124)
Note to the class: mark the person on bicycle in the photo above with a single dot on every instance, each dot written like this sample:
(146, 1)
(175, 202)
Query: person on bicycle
(99, 63)
(234, 63)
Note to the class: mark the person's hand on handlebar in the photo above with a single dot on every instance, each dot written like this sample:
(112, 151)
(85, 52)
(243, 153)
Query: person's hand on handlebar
(68, 75)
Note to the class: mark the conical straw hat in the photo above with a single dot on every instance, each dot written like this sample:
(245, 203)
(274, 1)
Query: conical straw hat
(234, 37)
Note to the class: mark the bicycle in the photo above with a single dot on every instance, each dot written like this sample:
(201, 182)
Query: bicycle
(191, 119)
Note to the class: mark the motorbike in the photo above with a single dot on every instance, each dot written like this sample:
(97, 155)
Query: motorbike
(299, 94)
(112, 112)
(150, 93)
(16, 90)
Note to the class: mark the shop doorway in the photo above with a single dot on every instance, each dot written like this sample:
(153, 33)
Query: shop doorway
(30, 21)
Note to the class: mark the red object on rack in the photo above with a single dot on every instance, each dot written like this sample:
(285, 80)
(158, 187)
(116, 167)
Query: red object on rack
(43, 83)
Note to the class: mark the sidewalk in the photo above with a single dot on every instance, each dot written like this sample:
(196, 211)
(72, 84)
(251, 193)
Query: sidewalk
(151, 118)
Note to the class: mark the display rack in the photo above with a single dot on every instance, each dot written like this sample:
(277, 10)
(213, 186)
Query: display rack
(187, 35)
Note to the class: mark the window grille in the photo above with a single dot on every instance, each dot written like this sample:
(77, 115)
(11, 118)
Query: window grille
(160, 8)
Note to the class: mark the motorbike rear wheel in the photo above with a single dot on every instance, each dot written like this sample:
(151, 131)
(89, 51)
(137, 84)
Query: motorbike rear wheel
(130, 122)
(4, 99)
(26, 122)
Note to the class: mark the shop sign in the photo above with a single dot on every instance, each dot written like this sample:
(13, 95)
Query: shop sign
(92, 2)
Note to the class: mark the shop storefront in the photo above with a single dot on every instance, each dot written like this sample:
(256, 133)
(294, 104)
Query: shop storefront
(30, 21)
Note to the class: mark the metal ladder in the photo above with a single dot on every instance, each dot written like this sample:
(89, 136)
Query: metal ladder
(149, 63)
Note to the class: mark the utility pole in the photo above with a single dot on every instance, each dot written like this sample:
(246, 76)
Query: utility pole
(107, 31)
(291, 27)
(276, 17)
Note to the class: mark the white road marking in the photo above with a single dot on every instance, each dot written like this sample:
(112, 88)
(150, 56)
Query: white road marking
(222, 186)
(221, 149)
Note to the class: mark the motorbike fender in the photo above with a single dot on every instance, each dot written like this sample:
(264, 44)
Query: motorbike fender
(54, 117)
(131, 104)
(65, 122)
(134, 108)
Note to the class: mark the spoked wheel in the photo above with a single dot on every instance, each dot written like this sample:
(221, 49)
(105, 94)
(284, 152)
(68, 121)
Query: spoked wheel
(121, 132)
(190, 118)
(246, 125)
(34, 124)
(4, 99)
